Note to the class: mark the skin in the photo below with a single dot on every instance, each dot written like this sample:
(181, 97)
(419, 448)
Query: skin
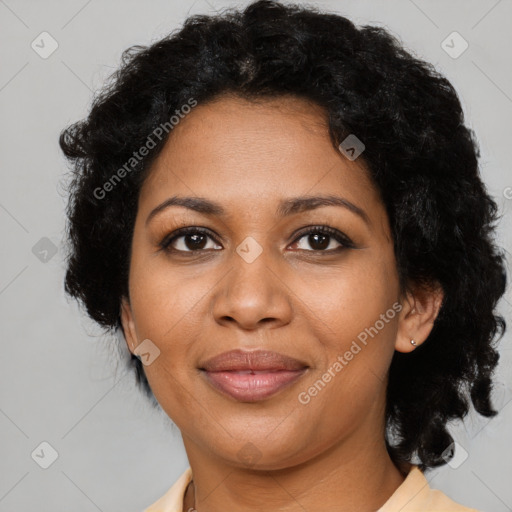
(294, 298)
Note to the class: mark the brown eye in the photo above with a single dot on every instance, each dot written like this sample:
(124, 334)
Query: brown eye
(188, 240)
(323, 239)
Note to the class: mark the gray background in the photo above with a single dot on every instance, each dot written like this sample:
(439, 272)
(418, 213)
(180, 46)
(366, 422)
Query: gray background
(64, 384)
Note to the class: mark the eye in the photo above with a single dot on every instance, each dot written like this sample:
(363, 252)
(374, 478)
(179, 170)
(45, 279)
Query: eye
(321, 239)
(194, 240)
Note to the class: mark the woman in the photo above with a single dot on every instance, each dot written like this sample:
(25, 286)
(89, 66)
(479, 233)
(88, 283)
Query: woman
(283, 214)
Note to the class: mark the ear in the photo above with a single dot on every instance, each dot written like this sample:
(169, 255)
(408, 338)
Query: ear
(128, 324)
(420, 308)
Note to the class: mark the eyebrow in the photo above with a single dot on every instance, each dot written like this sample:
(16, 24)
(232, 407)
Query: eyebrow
(286, 207)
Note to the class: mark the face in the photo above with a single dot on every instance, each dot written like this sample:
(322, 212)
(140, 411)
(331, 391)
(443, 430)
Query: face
(261, 270)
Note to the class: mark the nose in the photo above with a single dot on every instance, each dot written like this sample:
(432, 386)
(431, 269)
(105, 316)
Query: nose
(253, 295)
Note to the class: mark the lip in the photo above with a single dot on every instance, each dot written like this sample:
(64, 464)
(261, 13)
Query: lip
(252, 376)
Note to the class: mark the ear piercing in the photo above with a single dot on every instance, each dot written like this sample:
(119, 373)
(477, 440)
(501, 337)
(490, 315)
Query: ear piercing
(414, 343)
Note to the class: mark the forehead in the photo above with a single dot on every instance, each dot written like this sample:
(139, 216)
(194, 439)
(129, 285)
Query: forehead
(252, 153)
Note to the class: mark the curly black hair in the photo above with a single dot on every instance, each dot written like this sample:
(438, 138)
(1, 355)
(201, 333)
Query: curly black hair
(419, 153)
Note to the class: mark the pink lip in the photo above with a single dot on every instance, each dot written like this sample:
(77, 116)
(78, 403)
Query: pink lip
(252, 376)
(251, 387)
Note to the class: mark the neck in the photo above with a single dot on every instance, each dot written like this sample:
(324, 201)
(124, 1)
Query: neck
(363, 482)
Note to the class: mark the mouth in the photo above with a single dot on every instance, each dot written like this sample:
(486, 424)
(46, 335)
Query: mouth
(252, 376)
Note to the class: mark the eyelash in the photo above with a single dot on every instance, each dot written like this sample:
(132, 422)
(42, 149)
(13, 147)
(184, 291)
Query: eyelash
(340, 237)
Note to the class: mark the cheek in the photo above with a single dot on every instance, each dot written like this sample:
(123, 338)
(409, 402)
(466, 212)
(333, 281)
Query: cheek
(354, 323)
(165, 298)
(164, 310)
(344, 303)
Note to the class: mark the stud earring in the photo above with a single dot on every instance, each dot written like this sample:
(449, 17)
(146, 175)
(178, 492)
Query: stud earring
(414, 343)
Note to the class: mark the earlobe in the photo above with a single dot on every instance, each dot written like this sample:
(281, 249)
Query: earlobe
(128, 325)
(420, 309)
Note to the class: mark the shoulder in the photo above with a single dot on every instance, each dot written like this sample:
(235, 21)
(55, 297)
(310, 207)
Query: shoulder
(437, 500)
(172, 500)
(416, 495)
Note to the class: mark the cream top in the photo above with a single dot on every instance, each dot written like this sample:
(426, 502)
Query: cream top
(413, 495)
